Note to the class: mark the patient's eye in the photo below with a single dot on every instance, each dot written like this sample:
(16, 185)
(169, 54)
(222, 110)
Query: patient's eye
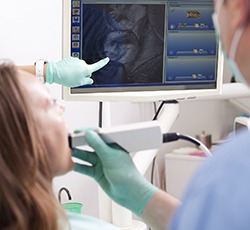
(57, 104)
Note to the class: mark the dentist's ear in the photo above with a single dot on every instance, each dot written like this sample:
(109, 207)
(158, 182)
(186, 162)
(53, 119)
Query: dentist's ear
(239, 12)
(245, 11)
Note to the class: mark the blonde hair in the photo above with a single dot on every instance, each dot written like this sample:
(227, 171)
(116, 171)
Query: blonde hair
(26, 197)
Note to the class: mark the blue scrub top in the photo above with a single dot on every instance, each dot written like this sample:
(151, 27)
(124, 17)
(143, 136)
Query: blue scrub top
(84, 222)
(218, 197)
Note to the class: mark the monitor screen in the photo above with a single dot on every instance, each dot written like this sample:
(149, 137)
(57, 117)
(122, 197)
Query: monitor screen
(158, 50)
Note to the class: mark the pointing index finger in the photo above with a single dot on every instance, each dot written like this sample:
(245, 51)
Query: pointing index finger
(98, 65)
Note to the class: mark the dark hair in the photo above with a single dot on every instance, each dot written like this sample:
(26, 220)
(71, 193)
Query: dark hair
(26, 197)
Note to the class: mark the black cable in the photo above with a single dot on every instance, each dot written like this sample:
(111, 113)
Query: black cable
(169, 137)
(155, 107)
(161, 105)
(100, 114)
(152, 171)
(190, 139)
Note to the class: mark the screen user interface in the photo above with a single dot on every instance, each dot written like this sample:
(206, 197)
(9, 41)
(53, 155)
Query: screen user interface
(152, 45)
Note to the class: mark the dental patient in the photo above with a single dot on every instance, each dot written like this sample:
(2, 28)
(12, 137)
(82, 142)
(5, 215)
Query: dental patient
(32, 125)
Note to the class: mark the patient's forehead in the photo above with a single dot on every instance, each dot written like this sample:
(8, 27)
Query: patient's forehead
(36, 92)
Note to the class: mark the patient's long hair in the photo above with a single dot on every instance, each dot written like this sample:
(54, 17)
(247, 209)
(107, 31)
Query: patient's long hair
(26, 197)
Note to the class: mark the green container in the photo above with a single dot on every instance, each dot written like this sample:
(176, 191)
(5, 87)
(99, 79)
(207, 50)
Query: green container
(73, 207)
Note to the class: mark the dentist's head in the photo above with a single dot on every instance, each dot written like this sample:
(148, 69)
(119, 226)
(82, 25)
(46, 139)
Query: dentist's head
(232, 22)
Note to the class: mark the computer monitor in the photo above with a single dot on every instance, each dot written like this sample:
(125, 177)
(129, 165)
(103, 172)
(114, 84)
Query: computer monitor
(158, 49)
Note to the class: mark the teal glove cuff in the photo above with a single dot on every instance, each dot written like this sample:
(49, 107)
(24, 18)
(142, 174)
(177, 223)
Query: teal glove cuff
(49, 73)
(143, 197)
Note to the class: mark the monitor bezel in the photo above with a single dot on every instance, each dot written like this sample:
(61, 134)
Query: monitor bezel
(134, 96)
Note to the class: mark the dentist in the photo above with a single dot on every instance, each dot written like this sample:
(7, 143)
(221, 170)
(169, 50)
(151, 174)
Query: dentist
(218, 196)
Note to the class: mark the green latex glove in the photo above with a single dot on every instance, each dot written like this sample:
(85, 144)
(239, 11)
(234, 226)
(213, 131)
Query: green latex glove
(115, 172)
(72, 72)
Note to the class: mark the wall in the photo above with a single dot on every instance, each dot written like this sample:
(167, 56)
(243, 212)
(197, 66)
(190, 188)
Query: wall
(31, 29)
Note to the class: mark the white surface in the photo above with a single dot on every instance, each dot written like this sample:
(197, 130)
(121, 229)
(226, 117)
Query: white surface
(241, 122)
(147, 135)
(105, 202)
(179, 170)
(242, 103)
(166, 119)
(135, 136)
(136, 225)
(30, 30)
(121, 216)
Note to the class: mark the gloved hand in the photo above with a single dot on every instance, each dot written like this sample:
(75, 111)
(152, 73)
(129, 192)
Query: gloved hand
(72, 72)
(115, 172)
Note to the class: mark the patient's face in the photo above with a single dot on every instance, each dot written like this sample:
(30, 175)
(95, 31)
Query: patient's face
(51, 125)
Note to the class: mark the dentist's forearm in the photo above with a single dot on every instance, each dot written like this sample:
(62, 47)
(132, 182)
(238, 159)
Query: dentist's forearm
(159, 210)
(31, 69)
